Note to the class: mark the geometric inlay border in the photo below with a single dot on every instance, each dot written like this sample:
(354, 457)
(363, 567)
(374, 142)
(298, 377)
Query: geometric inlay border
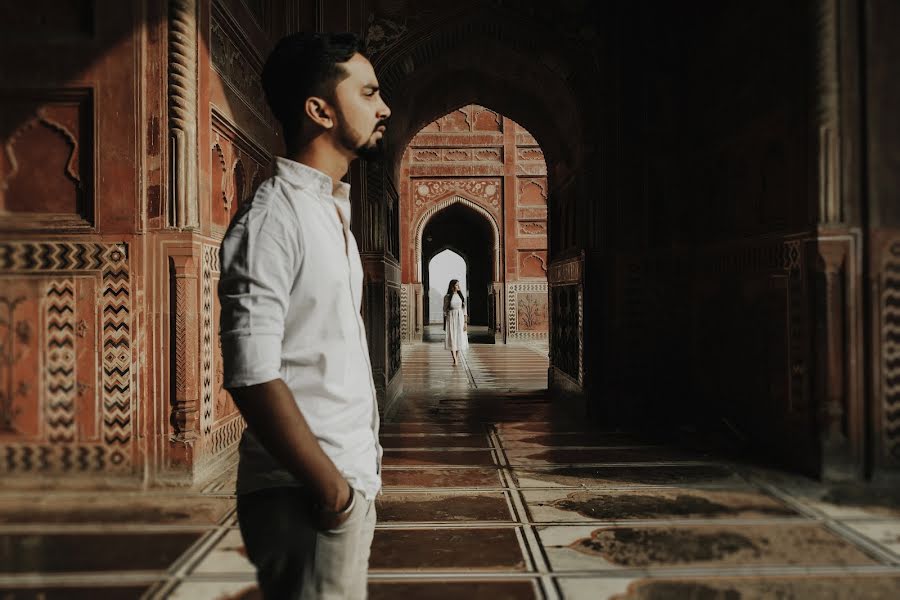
(890, 351)
(114, 454)
(209, 267)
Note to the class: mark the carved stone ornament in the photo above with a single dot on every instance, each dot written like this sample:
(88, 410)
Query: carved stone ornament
(184, 210)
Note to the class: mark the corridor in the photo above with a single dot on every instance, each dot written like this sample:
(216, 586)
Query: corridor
(491, 492)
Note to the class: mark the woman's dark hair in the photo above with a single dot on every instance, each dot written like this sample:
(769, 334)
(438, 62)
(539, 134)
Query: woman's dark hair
(453, 282)
(303, 65)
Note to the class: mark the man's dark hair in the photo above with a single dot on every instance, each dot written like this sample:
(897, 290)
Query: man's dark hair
(303, 65)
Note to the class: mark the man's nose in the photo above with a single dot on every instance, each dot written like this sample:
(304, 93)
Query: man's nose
(385, 111)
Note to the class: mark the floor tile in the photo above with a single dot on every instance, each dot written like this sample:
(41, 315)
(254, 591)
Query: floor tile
(437, 457)
(529, 427)
(440, 478)
(227, 556)
(453, 549)
(398, 507)
(798, 588)
(76, 552)
(576, 548)
(216, 590)
(114, 508)
(580, 439)
(81, 592)
(573, 456)
(849, 501)
(431, 428)
(453, 590)
(886, 533)
(639, 475)
(552, 505)
(435, 441)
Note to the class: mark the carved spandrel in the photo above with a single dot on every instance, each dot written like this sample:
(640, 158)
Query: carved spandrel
(488, 191)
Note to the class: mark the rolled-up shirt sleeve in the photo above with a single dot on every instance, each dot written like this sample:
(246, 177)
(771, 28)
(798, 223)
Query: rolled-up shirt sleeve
(258, 267)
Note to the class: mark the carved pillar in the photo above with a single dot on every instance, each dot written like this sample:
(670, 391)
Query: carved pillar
(499, 311)
(419, 329)
(837, 271)
(837, 381)
(184, 345)
(184, 208)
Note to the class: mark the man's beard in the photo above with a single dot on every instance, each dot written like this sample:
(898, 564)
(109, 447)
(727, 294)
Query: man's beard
(368, 150)
(371, 150)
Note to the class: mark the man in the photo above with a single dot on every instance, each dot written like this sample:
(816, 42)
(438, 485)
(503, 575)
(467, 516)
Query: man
(295, 354)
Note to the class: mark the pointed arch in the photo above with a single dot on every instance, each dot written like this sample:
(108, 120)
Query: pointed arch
(426, 217)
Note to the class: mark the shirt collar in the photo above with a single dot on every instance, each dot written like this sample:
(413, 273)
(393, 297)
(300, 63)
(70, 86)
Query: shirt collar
(306, 176)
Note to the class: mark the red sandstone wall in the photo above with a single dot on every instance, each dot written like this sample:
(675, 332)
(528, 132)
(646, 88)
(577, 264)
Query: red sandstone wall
(131, 132)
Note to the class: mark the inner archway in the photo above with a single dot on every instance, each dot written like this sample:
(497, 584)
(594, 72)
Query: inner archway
(443, 267)
(469, 235)
(475, 181)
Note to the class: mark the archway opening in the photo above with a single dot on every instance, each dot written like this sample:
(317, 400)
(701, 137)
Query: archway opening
(463, 232)
(445, 266)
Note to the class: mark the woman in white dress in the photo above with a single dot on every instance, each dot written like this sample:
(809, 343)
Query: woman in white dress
(456, 318)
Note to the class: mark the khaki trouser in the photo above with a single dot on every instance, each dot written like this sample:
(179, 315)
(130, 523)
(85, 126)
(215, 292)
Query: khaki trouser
(295, 561)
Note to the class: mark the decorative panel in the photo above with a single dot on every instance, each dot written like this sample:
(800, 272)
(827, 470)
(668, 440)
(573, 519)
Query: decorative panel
(394, 330)
(565, 301)
(532, 192)
(459, 154)
(527, 310)
(530, 154)
(456, 121)
(47, 162)
(532, 263)
(237, 166)
(487, 120)
(567, 317)
(488, 192)
(532, 228)
(65, 321)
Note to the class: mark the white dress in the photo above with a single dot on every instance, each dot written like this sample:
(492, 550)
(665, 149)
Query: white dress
(455, 319)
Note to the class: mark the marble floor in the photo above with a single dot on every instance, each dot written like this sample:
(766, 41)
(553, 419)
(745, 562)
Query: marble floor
(491, 492)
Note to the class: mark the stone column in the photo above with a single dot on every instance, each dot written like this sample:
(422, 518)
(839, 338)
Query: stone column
(835, 257)
(837, 385)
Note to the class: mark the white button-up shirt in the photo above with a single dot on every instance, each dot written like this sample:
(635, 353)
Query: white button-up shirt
(290, 293)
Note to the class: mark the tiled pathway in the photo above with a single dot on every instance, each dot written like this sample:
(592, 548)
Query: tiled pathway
(489, 494)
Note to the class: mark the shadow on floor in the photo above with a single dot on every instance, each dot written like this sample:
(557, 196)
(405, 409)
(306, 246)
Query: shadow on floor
(434, 334)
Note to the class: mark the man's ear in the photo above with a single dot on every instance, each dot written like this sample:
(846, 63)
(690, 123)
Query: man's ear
(319, 112)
